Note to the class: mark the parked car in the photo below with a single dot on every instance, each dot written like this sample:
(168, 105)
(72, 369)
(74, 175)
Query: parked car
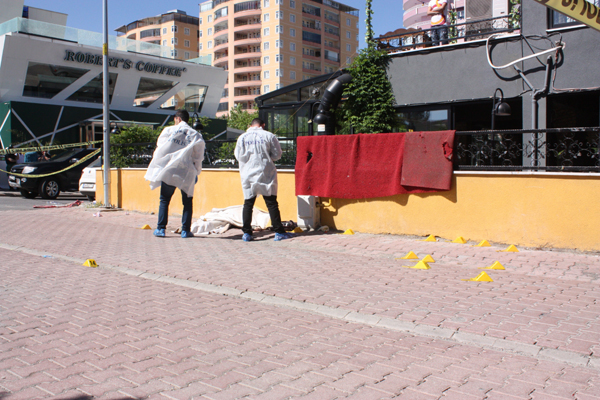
(49, 187)
(87, 183)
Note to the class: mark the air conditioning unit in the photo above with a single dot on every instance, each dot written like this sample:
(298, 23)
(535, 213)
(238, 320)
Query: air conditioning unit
(309, 213)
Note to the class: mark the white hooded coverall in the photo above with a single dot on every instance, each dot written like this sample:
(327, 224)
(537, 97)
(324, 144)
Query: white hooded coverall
(256, 150)
(177, 159)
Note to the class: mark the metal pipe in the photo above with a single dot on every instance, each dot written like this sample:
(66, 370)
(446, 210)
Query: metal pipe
(105, 106)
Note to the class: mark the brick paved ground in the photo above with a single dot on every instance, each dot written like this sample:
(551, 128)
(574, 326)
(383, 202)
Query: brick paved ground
(322, 316)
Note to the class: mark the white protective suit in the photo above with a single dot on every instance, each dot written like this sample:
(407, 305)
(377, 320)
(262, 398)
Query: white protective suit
(256, 149)
(177, 159)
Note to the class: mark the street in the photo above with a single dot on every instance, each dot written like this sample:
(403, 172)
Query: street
(319, 316)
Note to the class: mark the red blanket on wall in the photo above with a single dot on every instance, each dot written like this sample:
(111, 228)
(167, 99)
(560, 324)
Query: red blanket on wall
(374, 165)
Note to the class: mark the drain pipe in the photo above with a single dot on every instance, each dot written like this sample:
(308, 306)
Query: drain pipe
(537, 94)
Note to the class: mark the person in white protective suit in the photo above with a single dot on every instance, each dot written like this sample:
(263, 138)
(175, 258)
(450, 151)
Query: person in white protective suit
(176, 163)
(256, 150)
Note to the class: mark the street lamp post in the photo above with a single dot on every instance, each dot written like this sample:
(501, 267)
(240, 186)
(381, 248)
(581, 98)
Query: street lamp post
(105, 105)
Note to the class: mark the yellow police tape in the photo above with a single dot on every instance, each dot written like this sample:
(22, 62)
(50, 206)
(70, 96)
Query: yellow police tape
(22, 150)
(84, 159)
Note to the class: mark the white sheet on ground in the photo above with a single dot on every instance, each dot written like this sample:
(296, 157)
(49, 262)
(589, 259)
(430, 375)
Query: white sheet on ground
(221, 219)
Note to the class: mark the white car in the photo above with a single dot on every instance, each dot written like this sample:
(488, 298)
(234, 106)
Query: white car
(87, 182)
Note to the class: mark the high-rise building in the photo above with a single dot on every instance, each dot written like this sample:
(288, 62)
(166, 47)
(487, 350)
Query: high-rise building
(415, 11)
(268, 44)
(174, 29)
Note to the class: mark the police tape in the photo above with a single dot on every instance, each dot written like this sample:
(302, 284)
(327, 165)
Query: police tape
(15, 150)
(84, 159)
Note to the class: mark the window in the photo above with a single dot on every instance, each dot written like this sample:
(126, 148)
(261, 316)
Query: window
(174, 40)
(174, 53)
(292, 60)
(279, 72)
(292, 74)
(277, 86)
(209, 18)
(200, 21)
(266, 74)
(348, 48)
(266, 89)
(266, 32)
(266, 46)
(186, 43)
(186, 31)
(558, 20)
(279, 44)
(199, 46)
(278, 14)
(266, 60)
(209, 31)
(41, 80)
(164, 42)
(348, 21)
(279, 57)
(266, 3)
(279, 2)
(292, 4)
(266, 17)
(164, 31)
(174, 28)
(347, 60)
(279, 29)
(292, 32)
(292, 46)
(209, 44)
(292, 18)
(200, 33)
(187, 55)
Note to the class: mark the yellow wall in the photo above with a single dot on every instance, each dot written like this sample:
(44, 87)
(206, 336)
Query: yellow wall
(215, 189)
(533, 210)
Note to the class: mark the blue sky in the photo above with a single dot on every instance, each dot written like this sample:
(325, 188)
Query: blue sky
(87, 14)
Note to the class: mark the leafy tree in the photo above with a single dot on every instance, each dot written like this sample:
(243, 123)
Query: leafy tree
(369, 105)
(125, 156)
(239, 118)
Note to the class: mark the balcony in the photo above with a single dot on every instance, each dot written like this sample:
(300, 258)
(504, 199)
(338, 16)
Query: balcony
(220, 46)
(410, 39)
(247, 69)
(247, 27)
(416, 15)
(247, 83)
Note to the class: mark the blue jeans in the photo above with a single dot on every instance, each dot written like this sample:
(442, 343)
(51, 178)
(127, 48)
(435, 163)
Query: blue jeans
(437, 34)
(166, 192)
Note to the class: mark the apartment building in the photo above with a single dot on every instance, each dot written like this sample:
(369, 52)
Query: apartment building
(415, 11)
(267, 44)
(173, 29)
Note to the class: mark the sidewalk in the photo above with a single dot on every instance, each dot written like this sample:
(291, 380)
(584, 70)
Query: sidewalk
(320, 316)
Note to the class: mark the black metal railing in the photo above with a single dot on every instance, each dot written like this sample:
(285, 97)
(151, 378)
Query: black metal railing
(468, 31)
(556, 149)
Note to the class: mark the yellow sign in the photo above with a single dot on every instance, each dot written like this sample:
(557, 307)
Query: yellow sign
(579, 10)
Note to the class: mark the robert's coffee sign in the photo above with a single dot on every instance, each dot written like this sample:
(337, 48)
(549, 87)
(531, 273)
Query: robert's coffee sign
(115, 62)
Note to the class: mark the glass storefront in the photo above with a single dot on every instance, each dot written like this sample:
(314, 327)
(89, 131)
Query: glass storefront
(46, 80)
(92, 92)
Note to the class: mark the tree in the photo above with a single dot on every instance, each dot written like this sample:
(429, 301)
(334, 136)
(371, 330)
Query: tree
(369, 105)
(240, 119)
(142, 139)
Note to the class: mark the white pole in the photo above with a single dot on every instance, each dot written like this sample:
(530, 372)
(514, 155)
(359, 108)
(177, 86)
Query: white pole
(105, 103)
